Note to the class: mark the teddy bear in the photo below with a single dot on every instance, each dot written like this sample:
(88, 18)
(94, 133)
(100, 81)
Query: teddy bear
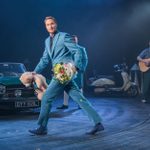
(28, 78)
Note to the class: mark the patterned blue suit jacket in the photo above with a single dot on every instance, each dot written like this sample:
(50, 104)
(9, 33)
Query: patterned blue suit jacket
(63, 50)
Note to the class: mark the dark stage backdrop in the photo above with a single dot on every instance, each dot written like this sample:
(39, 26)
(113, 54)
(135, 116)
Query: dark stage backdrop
(111, 30)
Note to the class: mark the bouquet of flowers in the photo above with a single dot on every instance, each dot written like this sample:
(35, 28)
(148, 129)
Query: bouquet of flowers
(64, 72)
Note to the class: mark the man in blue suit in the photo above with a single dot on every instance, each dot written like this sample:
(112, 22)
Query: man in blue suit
(59, 48)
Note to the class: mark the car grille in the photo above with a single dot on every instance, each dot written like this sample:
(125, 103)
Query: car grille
(18, 91)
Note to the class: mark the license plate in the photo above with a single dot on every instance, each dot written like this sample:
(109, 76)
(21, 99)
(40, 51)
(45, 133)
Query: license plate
(24, 104)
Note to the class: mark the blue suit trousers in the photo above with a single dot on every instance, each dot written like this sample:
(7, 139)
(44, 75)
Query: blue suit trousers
(53, 90)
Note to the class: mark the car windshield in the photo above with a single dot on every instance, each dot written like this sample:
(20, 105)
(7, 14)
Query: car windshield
(11, 69)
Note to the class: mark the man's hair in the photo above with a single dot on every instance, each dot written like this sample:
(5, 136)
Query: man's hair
(50, 17)
(74, 36)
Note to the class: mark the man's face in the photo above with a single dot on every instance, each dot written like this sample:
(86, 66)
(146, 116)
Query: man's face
(51, 26)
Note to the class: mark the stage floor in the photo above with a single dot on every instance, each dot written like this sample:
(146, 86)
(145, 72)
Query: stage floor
(126, 121)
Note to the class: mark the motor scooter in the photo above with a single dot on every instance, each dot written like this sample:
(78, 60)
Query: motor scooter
(120, 82)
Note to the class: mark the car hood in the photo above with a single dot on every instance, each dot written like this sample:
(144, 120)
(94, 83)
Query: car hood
(10, 80)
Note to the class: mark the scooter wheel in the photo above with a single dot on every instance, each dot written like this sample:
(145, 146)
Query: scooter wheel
(132, 91)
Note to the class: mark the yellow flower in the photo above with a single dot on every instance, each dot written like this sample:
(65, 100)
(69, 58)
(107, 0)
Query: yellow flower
(63, 72)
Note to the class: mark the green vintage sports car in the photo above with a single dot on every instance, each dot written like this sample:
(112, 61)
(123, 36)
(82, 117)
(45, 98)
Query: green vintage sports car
(13, 94)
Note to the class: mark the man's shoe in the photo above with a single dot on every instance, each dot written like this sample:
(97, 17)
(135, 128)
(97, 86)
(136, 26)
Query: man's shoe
(63, 107)
(97, 128)
(39, 131)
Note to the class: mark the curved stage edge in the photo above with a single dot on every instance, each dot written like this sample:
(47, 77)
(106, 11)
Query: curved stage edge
(126, 121)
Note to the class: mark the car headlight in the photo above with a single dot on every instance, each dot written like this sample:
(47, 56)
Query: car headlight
(2, 89)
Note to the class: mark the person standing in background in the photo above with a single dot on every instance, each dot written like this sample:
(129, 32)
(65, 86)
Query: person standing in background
(144, 65)
(80, 74)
